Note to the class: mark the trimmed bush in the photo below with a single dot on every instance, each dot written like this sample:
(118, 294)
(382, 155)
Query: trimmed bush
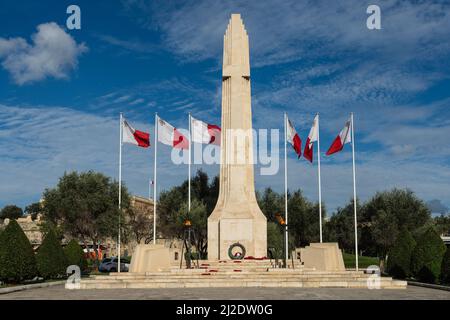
(17, 260)
(51, 260)
(399, 258)
(445, 272)
(75, 255)
(427, 257)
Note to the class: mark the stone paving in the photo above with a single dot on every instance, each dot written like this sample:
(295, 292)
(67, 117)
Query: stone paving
(59, 292)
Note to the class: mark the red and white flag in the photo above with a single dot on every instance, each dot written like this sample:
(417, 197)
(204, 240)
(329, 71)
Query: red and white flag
(133, 136)
(344, 137)
(170, 136)
(293, 138)
(203, 132)
(312, 137)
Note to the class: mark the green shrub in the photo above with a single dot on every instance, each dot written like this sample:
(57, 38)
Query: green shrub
(51, 260)
(399, 258)
(17, 260)
(445, 270)
(427, 257)
(75, 255)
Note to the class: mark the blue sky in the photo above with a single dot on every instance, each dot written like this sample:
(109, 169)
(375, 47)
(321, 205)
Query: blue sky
(61, 90)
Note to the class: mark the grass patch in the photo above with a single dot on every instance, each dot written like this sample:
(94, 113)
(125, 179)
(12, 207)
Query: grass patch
(363, 262)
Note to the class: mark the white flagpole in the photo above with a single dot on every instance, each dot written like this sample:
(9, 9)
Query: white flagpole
(189, 167)
(120, 189)
(154, 178)
(354, 193)
(318, 176)
(285, 189)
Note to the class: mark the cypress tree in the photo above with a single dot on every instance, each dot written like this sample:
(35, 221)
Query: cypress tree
(51, 260)
(445, 272)
(75, 255)
(17, 259)
(427, 257)
(399, 258)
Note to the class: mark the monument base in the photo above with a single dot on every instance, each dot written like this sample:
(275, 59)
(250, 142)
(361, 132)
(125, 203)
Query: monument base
(322, 256)
(150, 257)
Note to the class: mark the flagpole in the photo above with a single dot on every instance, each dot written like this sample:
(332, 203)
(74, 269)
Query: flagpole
(285, 190)
(354, 193)
(154, 178)
(189, 167)
(120, 189)
(318, 176)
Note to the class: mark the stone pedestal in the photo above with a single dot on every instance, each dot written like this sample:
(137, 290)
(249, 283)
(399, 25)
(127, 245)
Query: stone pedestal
(323, 257)
(150, 258)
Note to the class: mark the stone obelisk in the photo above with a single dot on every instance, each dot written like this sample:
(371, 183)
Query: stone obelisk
(237, 217)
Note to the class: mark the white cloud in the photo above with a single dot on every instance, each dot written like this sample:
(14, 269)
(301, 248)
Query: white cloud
(293, 30)
(52, 53)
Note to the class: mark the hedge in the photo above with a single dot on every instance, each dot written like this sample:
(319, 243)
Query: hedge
(51, 260)
(17, 259)
(399, 257)
(75, 255)
(427, 257)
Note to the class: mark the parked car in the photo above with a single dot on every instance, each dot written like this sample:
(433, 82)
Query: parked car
(110, 265)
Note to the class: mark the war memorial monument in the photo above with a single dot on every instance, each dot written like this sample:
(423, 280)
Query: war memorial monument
(237, 219)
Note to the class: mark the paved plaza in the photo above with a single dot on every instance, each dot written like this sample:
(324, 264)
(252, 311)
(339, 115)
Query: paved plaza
(59, 292)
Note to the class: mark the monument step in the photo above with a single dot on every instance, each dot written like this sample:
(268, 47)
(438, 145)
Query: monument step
(270, 271)
(232, 274)
(222, 283)
(240, 280)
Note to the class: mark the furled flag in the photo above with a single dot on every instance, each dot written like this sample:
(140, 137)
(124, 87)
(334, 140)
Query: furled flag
(312, 137)
(133, 136)
(204, 133)
(343, 138)
(293, 138)
(170, 136)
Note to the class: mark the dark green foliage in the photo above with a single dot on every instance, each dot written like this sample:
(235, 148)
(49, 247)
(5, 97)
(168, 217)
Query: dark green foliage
(172, 207)
(11, 212)
(427, 257)
(275, 240)
(198, 217)
(51, 260)
(303, 215)
(33, 209)
(445, 270)
(341, 227)
(75, 255)
(399, 260)
(385, 214)
(17, 260)
(87, 204)
(442, 224)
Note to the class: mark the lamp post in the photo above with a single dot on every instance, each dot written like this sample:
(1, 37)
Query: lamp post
(285, 244)
(187, 224)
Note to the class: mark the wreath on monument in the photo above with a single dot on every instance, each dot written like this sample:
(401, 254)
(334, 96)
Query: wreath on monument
(238, 255)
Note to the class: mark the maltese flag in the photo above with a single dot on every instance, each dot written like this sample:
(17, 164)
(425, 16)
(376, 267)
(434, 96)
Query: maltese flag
(293, 138)
(203, 132)
(133, 136)
(312, 137)
(343, 138)
(169, 135)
